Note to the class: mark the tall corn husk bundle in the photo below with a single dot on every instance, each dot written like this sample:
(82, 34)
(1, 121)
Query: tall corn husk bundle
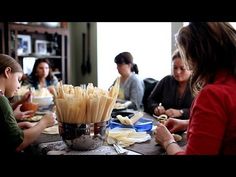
(77, 105)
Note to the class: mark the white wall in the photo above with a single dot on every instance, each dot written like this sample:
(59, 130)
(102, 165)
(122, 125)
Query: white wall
(149, 43)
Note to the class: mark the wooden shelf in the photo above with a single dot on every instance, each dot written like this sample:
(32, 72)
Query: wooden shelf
(37, 29)
(2, 38)
(56, 40)
(41, 56)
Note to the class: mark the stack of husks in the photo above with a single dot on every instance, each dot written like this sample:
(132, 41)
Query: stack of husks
(77, 105)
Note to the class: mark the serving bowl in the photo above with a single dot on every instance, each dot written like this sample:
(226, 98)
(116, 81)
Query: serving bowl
(43, 100)
(142, 125)
(83, 136)
(29, 106)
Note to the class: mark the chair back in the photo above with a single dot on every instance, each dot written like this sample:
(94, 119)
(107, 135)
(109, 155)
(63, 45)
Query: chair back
(149, 84)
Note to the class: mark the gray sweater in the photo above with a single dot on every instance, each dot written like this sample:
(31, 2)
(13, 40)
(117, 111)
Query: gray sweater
(133, 90)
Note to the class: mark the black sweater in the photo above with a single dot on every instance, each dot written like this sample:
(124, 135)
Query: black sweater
(165, 92)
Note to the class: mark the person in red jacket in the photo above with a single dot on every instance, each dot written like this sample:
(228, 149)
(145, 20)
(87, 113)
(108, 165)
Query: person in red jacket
(209, 48)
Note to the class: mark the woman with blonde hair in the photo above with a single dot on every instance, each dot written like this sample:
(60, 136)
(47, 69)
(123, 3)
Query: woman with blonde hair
(172, 95)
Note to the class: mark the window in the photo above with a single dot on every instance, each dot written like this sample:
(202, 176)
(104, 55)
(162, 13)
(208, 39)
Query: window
(149, 43)
(233, 24)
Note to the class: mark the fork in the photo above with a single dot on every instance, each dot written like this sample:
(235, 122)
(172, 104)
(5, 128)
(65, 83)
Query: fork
(120, 150)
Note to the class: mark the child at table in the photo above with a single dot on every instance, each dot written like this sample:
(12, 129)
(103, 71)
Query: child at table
(13, 138)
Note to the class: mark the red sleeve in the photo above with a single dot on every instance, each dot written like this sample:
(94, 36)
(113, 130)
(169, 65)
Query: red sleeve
(207, 122)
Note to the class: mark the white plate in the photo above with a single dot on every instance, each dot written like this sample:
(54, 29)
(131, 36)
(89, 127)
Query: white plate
(35, 118)
(42, 112)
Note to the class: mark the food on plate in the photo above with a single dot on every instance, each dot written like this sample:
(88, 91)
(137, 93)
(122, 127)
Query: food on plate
(33, 119)
(127, 136)
(162, 118)
(51, 130)
(119, 106)
(130, 121)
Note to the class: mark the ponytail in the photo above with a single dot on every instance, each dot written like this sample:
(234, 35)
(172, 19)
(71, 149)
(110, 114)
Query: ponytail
(135, 68)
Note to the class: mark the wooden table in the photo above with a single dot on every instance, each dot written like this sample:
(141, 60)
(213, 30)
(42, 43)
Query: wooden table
(147, 148)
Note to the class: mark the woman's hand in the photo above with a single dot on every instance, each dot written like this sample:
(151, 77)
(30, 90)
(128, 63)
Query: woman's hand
(159, 110)
(162, 135)
(19, 115)
(175, 125)
(166, 140)
(173, 112)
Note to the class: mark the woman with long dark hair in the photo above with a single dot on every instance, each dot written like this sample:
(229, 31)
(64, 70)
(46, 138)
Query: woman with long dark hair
(41, 75)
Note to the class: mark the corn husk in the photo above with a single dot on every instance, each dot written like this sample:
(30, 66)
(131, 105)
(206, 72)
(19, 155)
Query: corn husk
(84, 105)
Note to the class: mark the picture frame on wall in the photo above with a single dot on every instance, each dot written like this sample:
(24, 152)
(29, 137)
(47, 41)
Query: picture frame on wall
(41, 47)
(23, 44)
(28, 64)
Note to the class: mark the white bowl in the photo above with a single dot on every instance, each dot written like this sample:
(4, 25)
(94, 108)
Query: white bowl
(43, 101)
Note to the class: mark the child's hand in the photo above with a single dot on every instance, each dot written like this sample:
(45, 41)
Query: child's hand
(26, 97)
(19, 115)
(50, 119)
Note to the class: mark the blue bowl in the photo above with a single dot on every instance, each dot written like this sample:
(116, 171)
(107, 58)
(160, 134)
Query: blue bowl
(142, 125)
